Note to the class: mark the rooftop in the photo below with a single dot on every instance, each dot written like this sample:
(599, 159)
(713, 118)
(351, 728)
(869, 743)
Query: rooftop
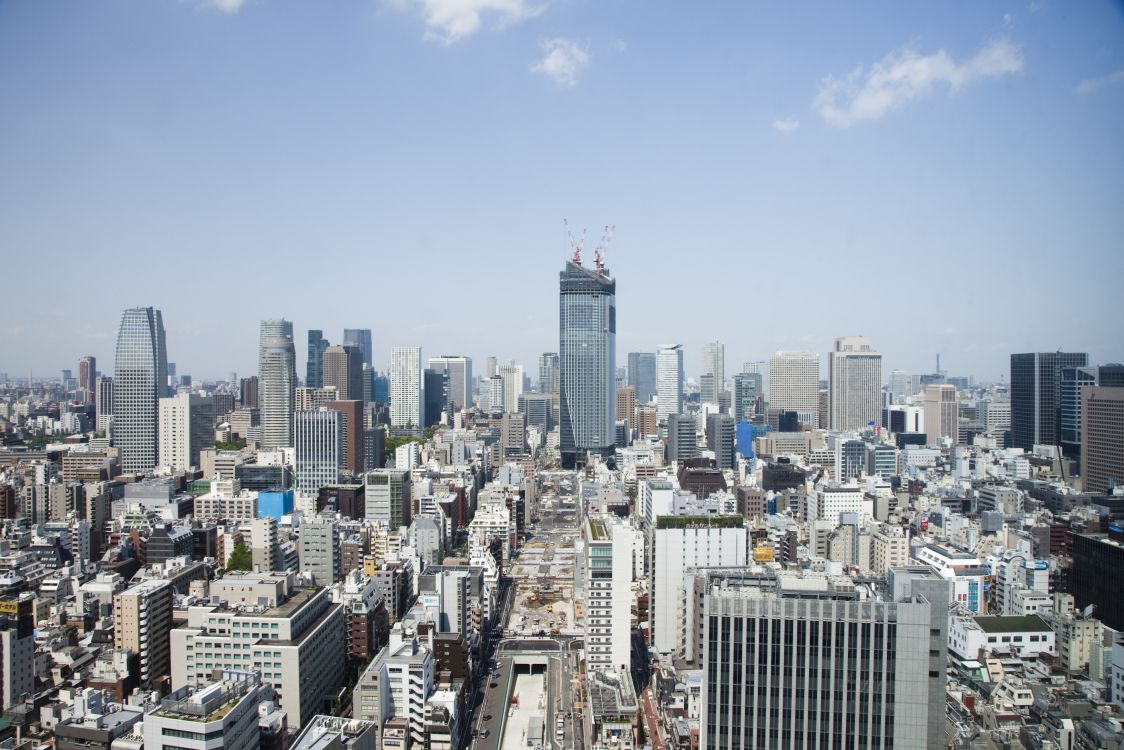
(1017, 624)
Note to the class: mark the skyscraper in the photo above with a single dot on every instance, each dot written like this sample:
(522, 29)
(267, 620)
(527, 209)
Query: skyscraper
(713, 364)
(314, 374)
(406, 400)
(140, 375)
(354, 441)
(942, 413)
(361, 338)
(642, 375)
(548, 372)
(248, 392)
(587, 325)
(458, 369)
(436, 388)
(747, 389)
(899, 386)
(104, 403)
(276, 382)
(512, 385)
(186, 426)
(343, 369)
(87, 373)
(669, 381)
(319, 450)
(1102, 433)
(794, 385)
(1074, 380)
(1036, 396)
(855, 384)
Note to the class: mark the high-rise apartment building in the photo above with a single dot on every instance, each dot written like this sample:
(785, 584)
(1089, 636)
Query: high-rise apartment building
(609, 546)
(587, 323)
(343, 370)
(319, 450)
(142, 619)
(669, 381)
(1102, 438)
(642, 375)
(139, 380)
(361, 339)
(794, 385)
(942, 413)
(855, 384)
(103, 405)
(548, 372)
(314, 372)
(1036, 396)
(713, 364)
(458, 370)
(186, 426)
(87, 375)
(406, 398)
(809, 660)
(276, 382)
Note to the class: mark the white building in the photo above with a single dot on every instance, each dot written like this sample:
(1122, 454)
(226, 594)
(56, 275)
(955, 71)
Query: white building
(276, 382)
(1025, 636)
(794, 385)
(318, 439)
(406, 386)
(220, 716)
(855, 383)
(610, 548)
(512, 377)
(397, 682)
(669, 381)
(836, 499)
(185, 426)
(964, 571)
(713, 364)
(942, 413)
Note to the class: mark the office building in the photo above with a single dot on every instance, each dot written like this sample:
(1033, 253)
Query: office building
(587, 362)
(276, 382)
(747, 393)
(103, 406)
(855, 384)
(1036, 396)
(320, 549)
(609, 547)
(248, 392)
(87, 377)
(396, 686)
(343, 370)
(794, 385)
(1098, 568)
(720, 429)
(548, 372)
(1102, 432)
(1073, 381)
(458, 372)
(223, 714)
(682, 438)
(406, 399)
(900, 386)
(311, 399)
(265, 544)
(713, 364)
(642, 375)
(139, 380)
(387, 497)
(435, 386)
(669, 381)
(186, 426)
(142, 619)
(17, 650)
(261, 622)
(808, 660)
(942, 413)
(360, 338)
(491, 394)
(626, 404)
(512, 375)
(319, 438)
(539, 410)
(314, 372)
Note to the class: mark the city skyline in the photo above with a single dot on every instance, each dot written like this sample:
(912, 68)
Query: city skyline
(774, 151)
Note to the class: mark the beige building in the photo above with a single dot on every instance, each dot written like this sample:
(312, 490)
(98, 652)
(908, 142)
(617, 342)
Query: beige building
(1102, 430)
(626, 404)
(855, 384)
(311, 399)
(942, 413)
(647, 423)
(142, 619)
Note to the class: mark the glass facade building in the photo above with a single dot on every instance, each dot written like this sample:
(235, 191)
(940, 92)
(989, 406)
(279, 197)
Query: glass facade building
(139, 381)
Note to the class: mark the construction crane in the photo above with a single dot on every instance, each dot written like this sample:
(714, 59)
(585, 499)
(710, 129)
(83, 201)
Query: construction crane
(577, 246)
(599, 254)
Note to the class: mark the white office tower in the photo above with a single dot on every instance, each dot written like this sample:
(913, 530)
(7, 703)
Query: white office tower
(319, 450)
(801, 660)
(459, 371)
(406, 398)
(942, 413)
(713, 364)
(139, 380)
(186, 427)
(680, 544)
(900, 386)
(276, 383)
(855, 382)
(512, 385)
(223, 712)
(669, 381)
(610, 546)
(794, 385)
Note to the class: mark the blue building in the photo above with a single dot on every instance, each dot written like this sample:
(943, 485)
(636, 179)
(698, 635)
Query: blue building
(275, 504)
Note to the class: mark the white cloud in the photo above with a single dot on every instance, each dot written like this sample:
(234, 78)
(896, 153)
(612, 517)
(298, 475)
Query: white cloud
(563, 60)
(449, 21)
(1093, 84)
(787, 125)
(905, 75)
(226, 6)
(620, 45)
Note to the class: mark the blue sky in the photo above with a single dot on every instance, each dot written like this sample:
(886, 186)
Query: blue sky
(938, 177)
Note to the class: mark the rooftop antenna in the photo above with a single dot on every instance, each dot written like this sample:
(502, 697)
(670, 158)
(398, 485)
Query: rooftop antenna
(577, 246)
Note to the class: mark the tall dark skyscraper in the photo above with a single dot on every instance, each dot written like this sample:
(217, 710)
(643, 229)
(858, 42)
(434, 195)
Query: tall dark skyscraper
(87, 375)
(1036, 380)
(642, 375)
(139, 380)
(587, 323)
(360, 337)
(437, 397)
(314, 373)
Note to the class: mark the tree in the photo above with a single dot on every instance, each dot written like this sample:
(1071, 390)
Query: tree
(240, 558)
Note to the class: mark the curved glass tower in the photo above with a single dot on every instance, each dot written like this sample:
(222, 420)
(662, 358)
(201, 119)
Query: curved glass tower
(587, 323)
(140, 378)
